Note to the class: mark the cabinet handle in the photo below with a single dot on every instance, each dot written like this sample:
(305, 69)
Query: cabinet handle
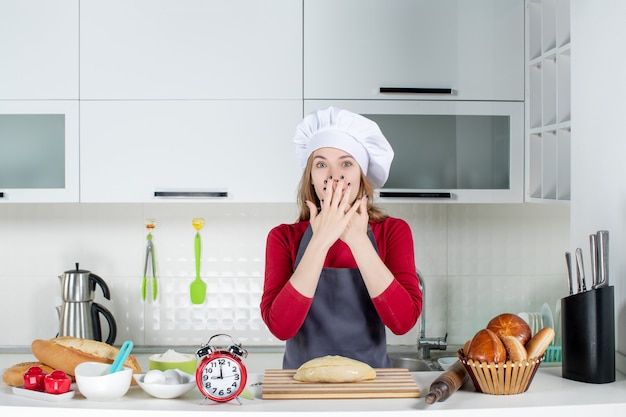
(411, 90)
(1, 194)
(191, 194)
(414, 194)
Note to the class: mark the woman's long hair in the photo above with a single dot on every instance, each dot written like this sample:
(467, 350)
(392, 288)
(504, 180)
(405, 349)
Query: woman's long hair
(306, 192)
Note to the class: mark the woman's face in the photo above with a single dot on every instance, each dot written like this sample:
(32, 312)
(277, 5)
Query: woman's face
(330, 165)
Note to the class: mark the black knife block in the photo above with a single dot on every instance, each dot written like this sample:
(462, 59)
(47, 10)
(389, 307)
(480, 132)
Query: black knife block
(588, 336)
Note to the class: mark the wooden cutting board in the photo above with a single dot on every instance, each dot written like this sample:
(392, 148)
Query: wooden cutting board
(278, 384)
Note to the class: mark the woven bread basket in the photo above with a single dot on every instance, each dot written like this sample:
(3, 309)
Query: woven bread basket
(501, 378)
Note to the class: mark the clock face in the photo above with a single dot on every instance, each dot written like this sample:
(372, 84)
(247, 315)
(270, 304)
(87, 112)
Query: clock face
(221, 377)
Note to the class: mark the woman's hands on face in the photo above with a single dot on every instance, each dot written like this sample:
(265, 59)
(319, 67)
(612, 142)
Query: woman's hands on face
(359, 220)
(339, 218)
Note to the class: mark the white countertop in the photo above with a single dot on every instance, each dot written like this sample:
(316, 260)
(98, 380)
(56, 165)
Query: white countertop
(549, 394)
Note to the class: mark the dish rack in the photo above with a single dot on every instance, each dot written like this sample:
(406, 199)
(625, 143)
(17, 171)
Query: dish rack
(553, 354)
(537, 320)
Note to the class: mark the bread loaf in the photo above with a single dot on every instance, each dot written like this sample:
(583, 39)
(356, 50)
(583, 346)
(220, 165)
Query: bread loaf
(466, 347)
(508, 324)
(66, 352)
(486, 346)
(14, 375)
(539, 342)
(334, 369)
(515, 351)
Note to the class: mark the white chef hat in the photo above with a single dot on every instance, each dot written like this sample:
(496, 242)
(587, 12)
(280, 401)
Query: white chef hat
(350, 132)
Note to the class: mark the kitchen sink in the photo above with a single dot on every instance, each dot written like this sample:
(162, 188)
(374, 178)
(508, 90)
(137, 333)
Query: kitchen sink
(414, 364)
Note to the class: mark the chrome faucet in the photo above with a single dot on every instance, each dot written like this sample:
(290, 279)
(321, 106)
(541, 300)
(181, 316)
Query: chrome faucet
(424, 344)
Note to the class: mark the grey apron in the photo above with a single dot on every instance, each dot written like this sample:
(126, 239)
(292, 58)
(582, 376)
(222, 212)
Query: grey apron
(342, 319)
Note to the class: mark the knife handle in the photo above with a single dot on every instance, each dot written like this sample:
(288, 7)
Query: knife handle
(568, 262)
(603, 257)
(580, 270)
(593, 252)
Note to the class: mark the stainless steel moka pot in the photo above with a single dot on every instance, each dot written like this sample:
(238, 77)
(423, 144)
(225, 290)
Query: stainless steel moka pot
(79, 316)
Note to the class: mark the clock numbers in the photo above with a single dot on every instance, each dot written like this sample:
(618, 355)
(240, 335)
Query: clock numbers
(217, 373)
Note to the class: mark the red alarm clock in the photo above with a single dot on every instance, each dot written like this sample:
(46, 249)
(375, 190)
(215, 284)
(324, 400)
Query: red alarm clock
(221, 374)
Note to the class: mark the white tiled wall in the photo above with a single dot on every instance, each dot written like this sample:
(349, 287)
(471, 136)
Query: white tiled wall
(478, 260)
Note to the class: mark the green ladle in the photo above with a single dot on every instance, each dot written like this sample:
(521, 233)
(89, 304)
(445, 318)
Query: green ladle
(197, 288)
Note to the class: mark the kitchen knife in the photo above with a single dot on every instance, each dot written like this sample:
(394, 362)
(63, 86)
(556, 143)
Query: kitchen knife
(580, 271)
(568, 262)
(603, 258)
(593, 252)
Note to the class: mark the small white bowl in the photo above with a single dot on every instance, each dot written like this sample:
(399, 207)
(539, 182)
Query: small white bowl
(446, 362)
(95, 383)
(168, 390)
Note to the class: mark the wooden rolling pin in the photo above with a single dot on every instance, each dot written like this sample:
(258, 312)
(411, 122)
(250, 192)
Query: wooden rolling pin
(447, 383)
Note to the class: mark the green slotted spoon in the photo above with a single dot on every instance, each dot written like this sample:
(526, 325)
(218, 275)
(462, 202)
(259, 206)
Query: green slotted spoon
(197, 289)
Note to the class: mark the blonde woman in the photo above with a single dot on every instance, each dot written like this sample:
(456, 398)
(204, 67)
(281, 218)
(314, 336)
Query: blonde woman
(345, 271)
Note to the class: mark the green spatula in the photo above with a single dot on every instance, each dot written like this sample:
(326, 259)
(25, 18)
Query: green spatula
(197, 288)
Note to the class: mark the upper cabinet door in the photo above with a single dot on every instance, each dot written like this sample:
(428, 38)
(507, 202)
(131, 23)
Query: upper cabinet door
(188, 150)
(38, 49)
(39, 151)
(353, 48)
(193, 49)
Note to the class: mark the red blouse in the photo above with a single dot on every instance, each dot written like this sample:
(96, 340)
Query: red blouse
(284, 309)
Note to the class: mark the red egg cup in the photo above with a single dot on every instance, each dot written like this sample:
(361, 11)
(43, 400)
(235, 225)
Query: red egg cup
(57, 383)
(34, 379)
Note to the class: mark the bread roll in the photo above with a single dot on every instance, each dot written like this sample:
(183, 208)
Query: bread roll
(515, 351)
(508, 324)
(14, 376)
(334, 369)
(66, 352)
(539, 342)
(486, 346)
(466, 347)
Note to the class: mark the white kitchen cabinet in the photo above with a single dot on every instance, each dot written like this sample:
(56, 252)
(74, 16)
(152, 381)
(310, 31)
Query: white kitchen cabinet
(38, 49)
(192, 49)
(353, 48)
(39, 151)
(548, 111)
(150, 151)
(447, 151)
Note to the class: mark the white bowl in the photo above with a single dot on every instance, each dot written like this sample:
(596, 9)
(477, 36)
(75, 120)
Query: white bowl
(95, 383)
(168, 390)
(446, 362)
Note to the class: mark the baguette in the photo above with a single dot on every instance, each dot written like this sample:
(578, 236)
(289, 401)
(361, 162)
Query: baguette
(66, 352)
(539, 342)
(14, 375)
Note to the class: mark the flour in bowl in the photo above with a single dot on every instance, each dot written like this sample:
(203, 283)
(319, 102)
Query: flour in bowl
(172, 356)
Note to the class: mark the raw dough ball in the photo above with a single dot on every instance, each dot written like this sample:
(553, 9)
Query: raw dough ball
(334, 369)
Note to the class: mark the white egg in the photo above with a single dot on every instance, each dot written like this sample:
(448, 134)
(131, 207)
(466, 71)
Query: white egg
(154, 376)
(172, 377)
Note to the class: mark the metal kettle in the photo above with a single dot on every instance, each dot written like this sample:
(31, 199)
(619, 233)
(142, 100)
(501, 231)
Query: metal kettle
(79, 316)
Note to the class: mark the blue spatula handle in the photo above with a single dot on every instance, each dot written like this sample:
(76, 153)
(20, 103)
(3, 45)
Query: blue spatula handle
(121, 357)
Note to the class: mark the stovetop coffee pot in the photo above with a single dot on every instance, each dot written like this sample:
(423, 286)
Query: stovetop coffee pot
(79, 316)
